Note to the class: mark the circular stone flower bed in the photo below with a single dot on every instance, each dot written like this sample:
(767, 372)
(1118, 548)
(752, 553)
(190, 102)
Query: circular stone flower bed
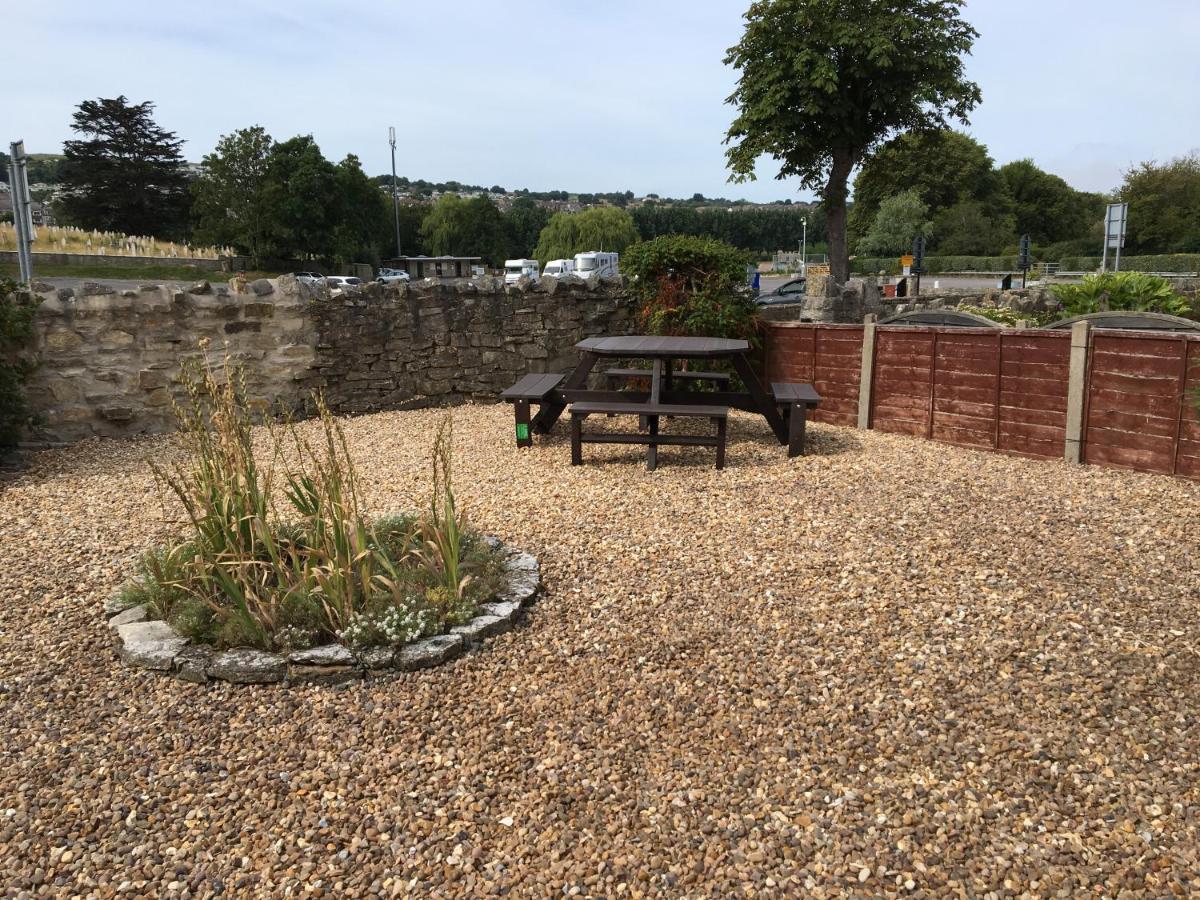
(154, 644)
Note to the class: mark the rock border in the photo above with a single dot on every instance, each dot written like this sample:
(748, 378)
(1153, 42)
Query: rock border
(155, 645)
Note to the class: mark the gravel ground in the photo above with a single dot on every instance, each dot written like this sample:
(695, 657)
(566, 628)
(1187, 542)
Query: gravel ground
(888, 667)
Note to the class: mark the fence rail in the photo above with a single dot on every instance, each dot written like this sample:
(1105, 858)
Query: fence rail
(1116, 398)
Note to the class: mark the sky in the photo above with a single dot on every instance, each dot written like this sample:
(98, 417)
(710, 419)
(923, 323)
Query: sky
(562, 95)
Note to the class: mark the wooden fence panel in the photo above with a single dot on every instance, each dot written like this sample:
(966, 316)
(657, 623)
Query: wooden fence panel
(902, 393)
(1187, 451)
(829, 357)
(966, 376)
(1136, 400)
(1034, 368)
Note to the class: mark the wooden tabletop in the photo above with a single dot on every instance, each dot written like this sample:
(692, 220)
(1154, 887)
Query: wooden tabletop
(651, 346)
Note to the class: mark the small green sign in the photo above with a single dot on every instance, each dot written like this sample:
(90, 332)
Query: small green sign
(522, 431)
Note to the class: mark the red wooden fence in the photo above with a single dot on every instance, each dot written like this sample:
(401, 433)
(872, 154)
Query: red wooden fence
(1134, 417)
(829, 357)
(1006, 390)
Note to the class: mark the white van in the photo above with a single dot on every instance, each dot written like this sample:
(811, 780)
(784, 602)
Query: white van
(516, 269)
(557, 267)
(596, 263)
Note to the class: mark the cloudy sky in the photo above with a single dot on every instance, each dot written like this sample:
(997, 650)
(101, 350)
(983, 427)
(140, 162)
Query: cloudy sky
(618, 95)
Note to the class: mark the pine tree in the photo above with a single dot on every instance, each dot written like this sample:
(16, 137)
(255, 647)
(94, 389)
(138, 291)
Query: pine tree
(125, 174)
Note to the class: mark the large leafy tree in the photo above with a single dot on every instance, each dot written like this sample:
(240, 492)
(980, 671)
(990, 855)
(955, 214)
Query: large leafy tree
(944, 167)
(365, 231)
(599, 228)
(823, 82)
(972, 228)
(301, 200)
(525, 223)
(124, 173)
(230, 198)
(899, 220)
(1164, 206)
(1047, 208)
(459, 227)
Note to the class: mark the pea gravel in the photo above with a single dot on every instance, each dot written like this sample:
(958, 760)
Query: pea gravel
(890, 667)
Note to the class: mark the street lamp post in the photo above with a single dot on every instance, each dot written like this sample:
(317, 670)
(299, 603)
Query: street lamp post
(395, 198)
(804, 247)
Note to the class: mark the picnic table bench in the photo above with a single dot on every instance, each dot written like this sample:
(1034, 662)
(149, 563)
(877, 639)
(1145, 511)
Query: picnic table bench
(785, 408)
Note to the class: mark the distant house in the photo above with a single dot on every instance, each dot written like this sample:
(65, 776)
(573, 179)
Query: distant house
(419, 267)
(38, 212)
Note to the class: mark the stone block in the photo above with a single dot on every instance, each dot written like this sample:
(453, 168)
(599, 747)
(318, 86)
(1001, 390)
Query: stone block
(429, 652)
(152, 645)
(193, 662)
(246, 666)
(128, 617)
(150, 379)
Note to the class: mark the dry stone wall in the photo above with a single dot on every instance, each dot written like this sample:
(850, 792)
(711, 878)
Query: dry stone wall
(109, 361)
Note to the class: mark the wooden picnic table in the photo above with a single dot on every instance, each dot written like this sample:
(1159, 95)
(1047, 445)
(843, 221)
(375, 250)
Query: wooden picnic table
(662, 351)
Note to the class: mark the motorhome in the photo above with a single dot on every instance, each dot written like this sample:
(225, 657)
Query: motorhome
(558, 267)
(596, 263)
(516, 269)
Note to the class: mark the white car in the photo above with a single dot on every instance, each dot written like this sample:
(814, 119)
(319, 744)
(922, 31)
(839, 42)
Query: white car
(343, 281)
(308, 277)
(387, 276)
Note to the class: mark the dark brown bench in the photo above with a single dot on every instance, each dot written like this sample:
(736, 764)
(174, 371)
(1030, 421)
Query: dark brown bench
(719, 380)
(533, 388)
(796, 400)
(652, 439)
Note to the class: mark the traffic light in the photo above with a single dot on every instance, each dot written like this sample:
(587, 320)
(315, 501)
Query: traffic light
(1025, 254)
(918, 255)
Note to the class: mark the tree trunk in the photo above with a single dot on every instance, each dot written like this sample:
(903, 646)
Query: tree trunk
(834, 197)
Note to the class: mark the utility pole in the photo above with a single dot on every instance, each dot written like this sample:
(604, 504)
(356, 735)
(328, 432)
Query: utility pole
(18, 180)
(395, 197)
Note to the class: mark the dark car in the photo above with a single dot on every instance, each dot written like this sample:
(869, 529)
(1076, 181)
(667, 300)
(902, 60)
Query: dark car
(788, 292)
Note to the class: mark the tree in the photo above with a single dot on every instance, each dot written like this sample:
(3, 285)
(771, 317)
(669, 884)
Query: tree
(900, 219)
(600, 228)
(458, 227)
(230, 198)
(1047, 208)
(1164, 206)
(525, 220)
(823, 82)
(126, 174)
(301, 200)
(970, 228)
(364, 229)
(944, 167)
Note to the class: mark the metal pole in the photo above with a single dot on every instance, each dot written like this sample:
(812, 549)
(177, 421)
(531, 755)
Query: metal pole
(1120, 241)
(22, 215)
(804, 247)
(395, 198)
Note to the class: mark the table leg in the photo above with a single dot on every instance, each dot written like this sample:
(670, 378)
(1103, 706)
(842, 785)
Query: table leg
(577, 440)
(796, 425)
(652, 448)
(524, 435)
(762, 401)
(721, 443)
(553, 406)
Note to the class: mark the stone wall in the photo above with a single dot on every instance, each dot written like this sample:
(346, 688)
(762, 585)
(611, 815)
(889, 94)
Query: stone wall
(109, 361)
(96, 260)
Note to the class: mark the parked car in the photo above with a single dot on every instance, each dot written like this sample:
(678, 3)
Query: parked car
(387, 276)
(342, 281)
(558, 267)
(308, 277)
(788, 292)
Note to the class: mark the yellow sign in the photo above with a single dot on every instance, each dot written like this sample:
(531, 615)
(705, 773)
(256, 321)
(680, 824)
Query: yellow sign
(906, 260)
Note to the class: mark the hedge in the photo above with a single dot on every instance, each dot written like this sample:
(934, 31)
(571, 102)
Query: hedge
(938, 265)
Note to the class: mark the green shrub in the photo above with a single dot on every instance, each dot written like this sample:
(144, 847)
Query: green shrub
(248, 576)
(1121, 291)
(691, 286)
(1007, 316)
(16, 332)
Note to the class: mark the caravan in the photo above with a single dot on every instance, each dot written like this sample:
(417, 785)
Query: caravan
(516, 269)
(558, 267)
(596, 263)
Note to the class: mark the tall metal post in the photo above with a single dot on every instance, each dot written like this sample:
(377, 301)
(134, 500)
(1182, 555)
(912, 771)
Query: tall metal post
(18, 179)
(395, 197)
(804, 247)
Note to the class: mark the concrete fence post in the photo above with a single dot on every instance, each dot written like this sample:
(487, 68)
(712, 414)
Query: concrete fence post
(870, 323)
(1076, 392)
